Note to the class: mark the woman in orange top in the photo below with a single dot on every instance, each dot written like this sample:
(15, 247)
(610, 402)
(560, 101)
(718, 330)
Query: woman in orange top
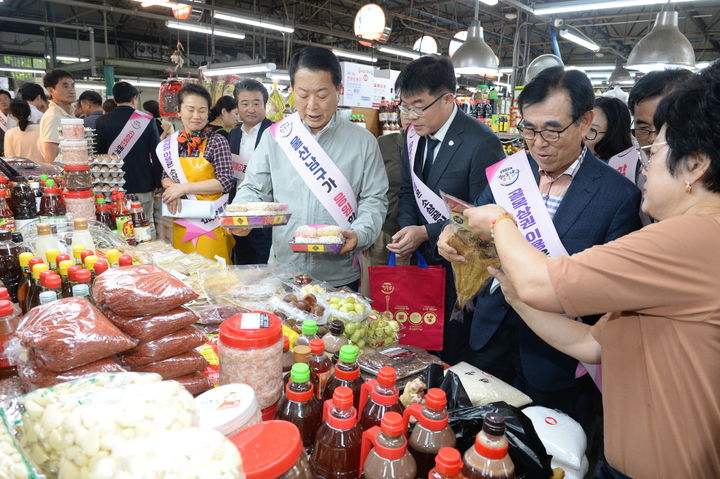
(660, 343)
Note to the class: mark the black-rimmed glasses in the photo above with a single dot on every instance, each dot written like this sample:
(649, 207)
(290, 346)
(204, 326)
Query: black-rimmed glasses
(419, 112)
(550, 136)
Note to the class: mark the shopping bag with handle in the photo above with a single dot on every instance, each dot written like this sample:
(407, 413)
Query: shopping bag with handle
(415, 296)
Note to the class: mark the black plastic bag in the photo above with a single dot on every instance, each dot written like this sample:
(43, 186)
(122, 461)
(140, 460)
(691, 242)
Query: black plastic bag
(448, 381)
(526, 449)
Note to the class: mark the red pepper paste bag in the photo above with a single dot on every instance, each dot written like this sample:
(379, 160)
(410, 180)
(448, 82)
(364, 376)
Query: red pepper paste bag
(147, 328)
(195, 383)
(69, 333)
(176, 366)
(42, 378)
(163, 348)
(140, 290)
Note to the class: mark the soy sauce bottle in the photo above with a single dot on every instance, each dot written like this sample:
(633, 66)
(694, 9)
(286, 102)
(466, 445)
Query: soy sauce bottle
(299, 405)
(347, 373)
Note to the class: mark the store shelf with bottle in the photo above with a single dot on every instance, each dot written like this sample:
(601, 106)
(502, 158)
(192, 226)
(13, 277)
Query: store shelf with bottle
(367, 118)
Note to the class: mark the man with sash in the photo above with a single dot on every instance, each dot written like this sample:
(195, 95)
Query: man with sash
(328, 170)
(445, 151)
(567, 201)
(61, 87)
(251, 97)
(5, 100)
(133, 136)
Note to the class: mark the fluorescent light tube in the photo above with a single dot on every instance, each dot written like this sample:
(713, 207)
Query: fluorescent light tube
(278, 76)
(253, 21)
(22, 70)
(579, 39)
(589, 68)
(143, 83)
(568, 7)
(354, 56)
(193, 27)
(220, 70)
(489, 2)
(90, 86)
(66, 58)
(400, 53)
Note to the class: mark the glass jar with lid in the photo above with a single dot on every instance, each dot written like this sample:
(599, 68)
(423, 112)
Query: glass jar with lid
(78, 177)
(273, 449)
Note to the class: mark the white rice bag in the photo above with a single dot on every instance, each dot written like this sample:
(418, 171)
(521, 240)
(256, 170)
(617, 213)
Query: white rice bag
(483, 388)
(562, 436)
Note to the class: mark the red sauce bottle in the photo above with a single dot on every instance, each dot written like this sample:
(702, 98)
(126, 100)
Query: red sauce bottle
(347, 374)
(299, 405)
(337, 447)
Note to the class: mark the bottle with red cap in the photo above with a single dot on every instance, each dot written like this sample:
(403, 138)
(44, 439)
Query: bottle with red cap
(103, 214)
(432, 431)
(25, 292)
(35, 287)
(11, 273)
(123, 219)
(347, 373)
(125, 260)
(337, 446)
(9, 319)
(5, 296)
(379, 396)
(299, 405)
(320, 366)
(448, 465)
(100, 267)
(141, 226)
(388, 458)
(7, 218)
(488, 458)
(52, 207)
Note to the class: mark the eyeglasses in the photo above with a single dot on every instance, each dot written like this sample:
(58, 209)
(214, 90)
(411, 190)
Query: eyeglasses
(593, 133)
(645, 161)
(419, 112)
(550, 136)
(643, 133)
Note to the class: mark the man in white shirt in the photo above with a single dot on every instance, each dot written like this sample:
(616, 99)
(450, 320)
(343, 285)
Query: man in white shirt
(251, 97)
(61, 86)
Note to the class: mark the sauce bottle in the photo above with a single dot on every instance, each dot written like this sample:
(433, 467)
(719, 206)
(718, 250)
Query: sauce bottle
(51, 257)
(9, 319)
(488, 458)
(72, 275)
(11, 273)
(25, 290)
(81, 234)
(52, 207)
(81, 291)
(448, 464)
(320, 365)
(125, 260)
(33, 295)
(7, 220)
(123, 220)
(113, 257)
(336, 454)
(335, 338)
(17, 238)
(103, 214)
(5, 296)
(287, 358)
(377, 397)
(47, 297)
(37, 193)
(389, 458)
(77, 253)
(53, 283)
(89, 263)
(62, 257)
(45, 240)
(66, 289)
(432, 432)
(347, 373)
(100, 267)
(309, 328)
(83, 276)
(141, 226)
(299, 405)
(22, 202)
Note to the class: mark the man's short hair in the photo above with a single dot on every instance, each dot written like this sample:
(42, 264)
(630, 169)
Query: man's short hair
(91, 96)
(53, 77)
(30, 91)
(432, 73)
(250, 85)
(548, 81)
(123, 92)
(316, 59)
(5, 92)
(655, 84)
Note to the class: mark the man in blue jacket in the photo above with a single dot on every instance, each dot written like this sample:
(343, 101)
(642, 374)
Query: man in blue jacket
(251, 97)
(590, 204)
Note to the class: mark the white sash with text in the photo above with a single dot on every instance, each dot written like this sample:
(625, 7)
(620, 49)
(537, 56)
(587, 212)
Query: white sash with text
(130, 134)
(431, 206)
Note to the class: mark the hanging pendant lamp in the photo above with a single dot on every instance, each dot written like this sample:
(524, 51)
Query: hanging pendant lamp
(620, 74)
(475, 57)
(664, 47)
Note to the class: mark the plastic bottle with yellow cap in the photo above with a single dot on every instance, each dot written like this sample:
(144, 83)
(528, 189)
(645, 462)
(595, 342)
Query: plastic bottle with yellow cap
(113, 257)
(77, 250)
(35, 286)
(51, 256)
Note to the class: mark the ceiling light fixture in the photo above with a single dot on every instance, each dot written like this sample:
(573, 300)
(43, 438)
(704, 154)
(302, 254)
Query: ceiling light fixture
(22, 70)
(489, 2)
(574, 35)
(64, 58)
(569, 7)
(620, 74)
(90, 86)
(664, 47)
(540, 63)
(475, 57)
(426, 44)
(143, 83)
(590, 68)
(279, 75)
(220, 69)
(197, 28)
(256, 22)
(400, 53)
(354, 56)
(457, 42)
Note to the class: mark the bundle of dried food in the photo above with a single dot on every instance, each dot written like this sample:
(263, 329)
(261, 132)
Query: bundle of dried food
(471, 275)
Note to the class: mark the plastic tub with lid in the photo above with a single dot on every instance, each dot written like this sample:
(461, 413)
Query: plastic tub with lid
(74, 152)
(78, 177)
(80, 204)
(272, 450)
(229, 408)
(72, 128)
(250, 352)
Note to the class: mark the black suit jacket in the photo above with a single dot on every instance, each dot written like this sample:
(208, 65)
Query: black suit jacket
(599, 206)
(142, 168)
(237, 133)
(468, 148)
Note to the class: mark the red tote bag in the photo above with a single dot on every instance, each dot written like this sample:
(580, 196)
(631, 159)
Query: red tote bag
(415, 296)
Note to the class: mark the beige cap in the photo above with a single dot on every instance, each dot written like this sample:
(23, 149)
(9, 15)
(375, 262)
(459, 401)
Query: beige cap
(44, 229)
(80, 223)
(301, 354)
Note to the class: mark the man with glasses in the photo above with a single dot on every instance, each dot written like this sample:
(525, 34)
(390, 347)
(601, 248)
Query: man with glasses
(451, 154)
(590, 204)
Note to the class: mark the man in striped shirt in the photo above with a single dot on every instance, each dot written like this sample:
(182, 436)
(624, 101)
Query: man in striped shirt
(590, 203)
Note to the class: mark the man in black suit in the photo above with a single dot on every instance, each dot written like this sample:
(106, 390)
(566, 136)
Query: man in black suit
(141, 165)
(452, 154)
(251, 97)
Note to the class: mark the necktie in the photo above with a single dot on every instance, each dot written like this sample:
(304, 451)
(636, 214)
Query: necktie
(429, 156)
